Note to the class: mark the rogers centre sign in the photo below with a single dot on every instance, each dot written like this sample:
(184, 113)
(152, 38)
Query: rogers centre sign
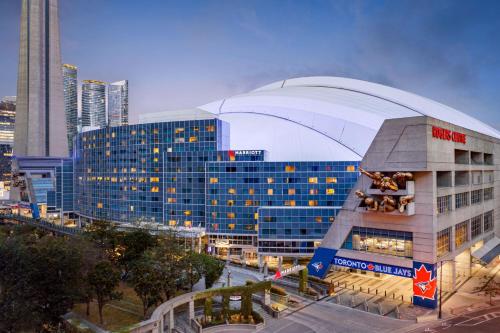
(445, 134)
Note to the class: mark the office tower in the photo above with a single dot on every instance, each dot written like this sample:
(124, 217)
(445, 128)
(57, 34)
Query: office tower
(70, 74)
(40, 120)
(118, 103)
(7, 119)
(94, 104)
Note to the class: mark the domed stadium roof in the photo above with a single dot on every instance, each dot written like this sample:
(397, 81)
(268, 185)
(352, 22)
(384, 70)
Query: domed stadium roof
(324, 118)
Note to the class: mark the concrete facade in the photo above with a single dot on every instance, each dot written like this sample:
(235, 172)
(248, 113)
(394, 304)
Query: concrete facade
(40, 120)
(441, 168)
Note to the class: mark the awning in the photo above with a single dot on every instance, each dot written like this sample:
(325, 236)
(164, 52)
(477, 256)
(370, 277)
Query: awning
(488, 251)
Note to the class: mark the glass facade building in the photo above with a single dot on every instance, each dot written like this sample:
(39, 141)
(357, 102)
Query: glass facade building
(7, 123)
(93, 104)
(182, 174)
(70, 83)
(118, 103)
(128, 173)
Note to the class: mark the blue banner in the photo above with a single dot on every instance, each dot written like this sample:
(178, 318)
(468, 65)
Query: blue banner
(373, 267)
(321, 262)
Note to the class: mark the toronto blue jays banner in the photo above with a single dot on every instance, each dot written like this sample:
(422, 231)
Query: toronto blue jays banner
(320, 262)
(424, 284)
(373, 267)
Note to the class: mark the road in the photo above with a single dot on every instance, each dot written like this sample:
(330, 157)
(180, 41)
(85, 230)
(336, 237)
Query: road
(481, 321)
(324, 317)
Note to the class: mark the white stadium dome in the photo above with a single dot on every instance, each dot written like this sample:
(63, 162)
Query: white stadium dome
(324, 118)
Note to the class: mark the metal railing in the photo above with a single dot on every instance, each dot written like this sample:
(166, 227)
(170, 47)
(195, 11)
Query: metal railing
(41, 223)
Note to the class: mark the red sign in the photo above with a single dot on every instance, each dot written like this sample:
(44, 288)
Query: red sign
(423, 285)
(444, 134)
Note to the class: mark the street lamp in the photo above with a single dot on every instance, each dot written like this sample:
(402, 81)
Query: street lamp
(229, 277)
(441, 285)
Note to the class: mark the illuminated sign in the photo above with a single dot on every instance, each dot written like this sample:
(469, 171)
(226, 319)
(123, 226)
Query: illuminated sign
(248, 152)
(444, 134)
(373, 267)
(424, 285)
(287, 271)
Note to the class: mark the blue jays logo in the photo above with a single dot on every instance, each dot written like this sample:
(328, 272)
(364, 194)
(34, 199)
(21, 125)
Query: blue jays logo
(317, 266)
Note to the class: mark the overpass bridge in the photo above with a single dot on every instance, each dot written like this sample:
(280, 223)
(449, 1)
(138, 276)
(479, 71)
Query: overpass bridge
(40, 223)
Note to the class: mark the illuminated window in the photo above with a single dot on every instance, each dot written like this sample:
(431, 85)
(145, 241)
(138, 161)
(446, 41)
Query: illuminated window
(187, 224)
(231, 191)
(155, 159)
(330, 191)
(133, 132)
(113, 134)
(313, 180)
(131, 208)
(196, 128)
(214, 180)
(133, 188)
(155, 189)
(270, 191)
(193, 139)
(187, 212)
(313, 202)
(154, 179)
(351, 168)
(214, 215)
(155, 131)
(179, 130)
(108, 144)
(213, 202)
(289, 168)
(248, 202)
(170, 190)
(230, 202)
(270, 180)
(143, 132)
(318, 219)
(330, 180)
(290, 203)
(291, 191)
(171, 200)
(172, 223)
(231, 226)
(331, 219)
(114, 179)
(210, 128)
(108, 153)
(313, 191)
(251, 191)
(99, 205)
(124, 170)
(231, 215)
(156, 150)
(256, 216)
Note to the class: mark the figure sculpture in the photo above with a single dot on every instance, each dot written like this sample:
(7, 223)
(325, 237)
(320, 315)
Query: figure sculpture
(380, 181)
(404, 201)
(388, 204)
(402, 177)
(370, 203)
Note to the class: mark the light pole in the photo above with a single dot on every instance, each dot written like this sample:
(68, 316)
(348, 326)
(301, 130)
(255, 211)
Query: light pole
(229, 277)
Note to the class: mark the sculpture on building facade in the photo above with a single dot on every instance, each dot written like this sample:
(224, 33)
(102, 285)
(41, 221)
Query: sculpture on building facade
(383, 183)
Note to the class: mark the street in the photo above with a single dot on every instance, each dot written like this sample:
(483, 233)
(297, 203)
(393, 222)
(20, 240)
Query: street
(481, 321)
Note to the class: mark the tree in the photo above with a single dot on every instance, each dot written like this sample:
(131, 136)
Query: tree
(134, 245)
(146, 278)
(105, 235)
(303, 280)
(37, 281)
(103, 280)
(212, 269)
(490, 287)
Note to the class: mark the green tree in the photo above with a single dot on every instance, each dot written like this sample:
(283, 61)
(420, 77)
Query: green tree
(37, 281)
(146, 279)
(134, 245)
(105, 235)
(103, 280)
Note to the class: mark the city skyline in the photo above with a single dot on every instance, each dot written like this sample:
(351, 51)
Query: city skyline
(192, 46)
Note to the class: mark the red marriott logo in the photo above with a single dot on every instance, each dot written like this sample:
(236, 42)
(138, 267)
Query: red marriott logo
(444, 134)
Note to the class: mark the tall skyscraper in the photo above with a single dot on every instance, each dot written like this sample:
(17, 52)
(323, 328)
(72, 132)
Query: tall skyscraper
(7, 119)
(94, 103)
(40, 120)
(70, 74)
(118, 103)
